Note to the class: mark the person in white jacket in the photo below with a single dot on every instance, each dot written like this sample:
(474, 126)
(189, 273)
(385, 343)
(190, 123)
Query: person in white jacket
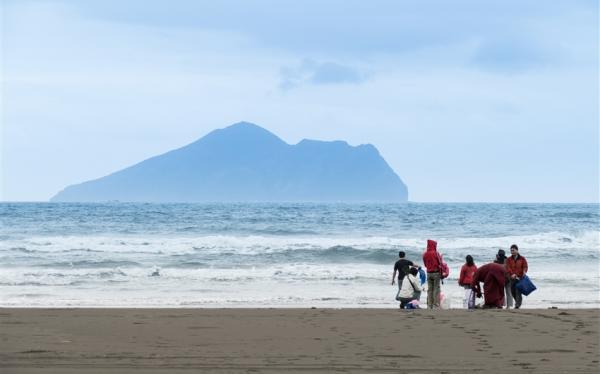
(411, 288)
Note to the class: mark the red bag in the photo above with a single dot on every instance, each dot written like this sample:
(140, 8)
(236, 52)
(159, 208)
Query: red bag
(444, 269)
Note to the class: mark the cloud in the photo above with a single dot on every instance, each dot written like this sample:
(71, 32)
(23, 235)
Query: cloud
(311, 27)
(319, 73)
(513, 55)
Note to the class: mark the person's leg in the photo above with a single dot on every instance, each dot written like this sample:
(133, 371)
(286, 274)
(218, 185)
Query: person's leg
(430, 290)
(512, 287)
(466, 297)
(515, 293)
(404, 301)
(399, 288)
(508, 296)
(436, 289)
(518, 296)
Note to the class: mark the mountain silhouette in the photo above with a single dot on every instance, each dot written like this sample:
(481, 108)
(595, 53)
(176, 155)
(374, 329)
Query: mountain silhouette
(246, 163)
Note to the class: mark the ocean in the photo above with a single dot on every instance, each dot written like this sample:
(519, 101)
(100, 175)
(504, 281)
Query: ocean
(281, 255)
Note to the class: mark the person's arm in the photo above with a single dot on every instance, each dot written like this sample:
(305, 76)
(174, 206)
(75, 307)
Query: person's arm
(510, 269)
(475, 285)
(394, 277)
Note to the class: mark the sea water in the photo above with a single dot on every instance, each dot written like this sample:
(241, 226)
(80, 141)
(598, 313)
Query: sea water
(280, 255)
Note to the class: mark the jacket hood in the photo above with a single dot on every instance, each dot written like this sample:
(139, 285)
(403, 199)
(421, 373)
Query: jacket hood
(431, 245)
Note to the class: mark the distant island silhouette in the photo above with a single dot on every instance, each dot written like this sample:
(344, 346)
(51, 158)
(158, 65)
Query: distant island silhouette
(246, 163)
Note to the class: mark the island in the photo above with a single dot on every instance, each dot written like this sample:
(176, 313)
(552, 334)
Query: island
(246, 163)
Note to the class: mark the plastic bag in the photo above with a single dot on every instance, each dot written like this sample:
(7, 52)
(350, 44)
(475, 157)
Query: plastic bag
(525, 286)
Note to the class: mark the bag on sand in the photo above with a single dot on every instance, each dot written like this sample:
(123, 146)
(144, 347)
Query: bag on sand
(444, 301)
(525, 286)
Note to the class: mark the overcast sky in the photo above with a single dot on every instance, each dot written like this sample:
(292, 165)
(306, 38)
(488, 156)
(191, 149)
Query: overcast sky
(492, 101)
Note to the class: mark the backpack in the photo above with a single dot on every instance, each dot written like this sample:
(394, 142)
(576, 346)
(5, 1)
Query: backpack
(444, 269)
(422, 276)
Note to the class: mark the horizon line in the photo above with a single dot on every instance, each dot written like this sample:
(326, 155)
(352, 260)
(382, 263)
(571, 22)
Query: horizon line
(295, 202)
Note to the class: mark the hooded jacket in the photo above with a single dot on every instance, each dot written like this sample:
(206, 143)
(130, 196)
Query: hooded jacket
(493, 277)
(431, 258)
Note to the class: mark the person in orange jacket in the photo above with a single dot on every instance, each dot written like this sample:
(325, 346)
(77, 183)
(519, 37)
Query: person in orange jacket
(516, 267)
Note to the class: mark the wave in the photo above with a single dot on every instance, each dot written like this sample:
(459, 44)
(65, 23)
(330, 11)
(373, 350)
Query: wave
(90, 264)
(575, 215)
(42, 284)
(558, 274)
(21, 250)
(187, 265)
(262, 251)
(145, 244)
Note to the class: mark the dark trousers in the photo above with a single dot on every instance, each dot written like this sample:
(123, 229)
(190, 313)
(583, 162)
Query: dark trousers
(515, 293)
(404, 301)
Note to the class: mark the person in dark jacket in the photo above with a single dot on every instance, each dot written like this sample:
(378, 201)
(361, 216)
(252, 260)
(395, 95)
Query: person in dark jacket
(493, 277)
(516, 266)
(402, 268)
(431, 260)
(508, 299)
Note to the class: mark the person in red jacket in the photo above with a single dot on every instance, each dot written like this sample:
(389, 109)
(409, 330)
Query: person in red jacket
(466, 278)
(516, 266)
(431, 260)
(493, 277)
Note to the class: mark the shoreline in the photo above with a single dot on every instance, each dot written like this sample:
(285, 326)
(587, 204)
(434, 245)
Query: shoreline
(276, 307)
(352, 340)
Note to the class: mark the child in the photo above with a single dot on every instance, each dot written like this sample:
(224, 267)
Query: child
(466, 278)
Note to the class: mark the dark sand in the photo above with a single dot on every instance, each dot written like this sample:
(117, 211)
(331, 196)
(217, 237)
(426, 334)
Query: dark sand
(298, 340)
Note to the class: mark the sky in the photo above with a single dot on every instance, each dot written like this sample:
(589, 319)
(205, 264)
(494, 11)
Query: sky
(468, 101)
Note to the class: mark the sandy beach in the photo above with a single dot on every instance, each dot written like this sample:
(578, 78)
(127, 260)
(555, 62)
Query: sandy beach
(298, 340)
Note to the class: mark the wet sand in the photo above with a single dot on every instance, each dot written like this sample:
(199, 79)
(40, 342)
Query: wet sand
(298, 341)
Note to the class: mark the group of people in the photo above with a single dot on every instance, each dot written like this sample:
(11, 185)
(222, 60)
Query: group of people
(499, 278)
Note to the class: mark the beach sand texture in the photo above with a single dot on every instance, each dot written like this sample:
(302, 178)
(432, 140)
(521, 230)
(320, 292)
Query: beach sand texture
(298, 341)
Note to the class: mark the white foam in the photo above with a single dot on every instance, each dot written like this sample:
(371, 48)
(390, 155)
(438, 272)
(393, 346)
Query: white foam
(589, 240)
(284, 285)
(25, 282)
